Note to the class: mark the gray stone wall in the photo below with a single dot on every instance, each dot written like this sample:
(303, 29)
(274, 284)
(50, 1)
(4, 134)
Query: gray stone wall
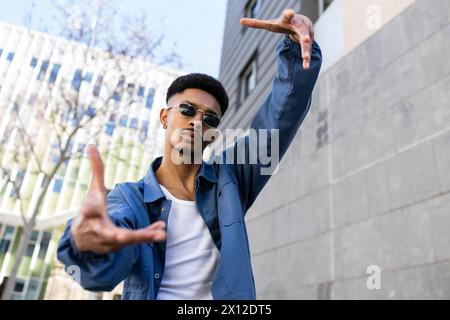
(367, 178)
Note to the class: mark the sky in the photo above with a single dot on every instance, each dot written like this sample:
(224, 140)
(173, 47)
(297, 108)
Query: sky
(194, 28)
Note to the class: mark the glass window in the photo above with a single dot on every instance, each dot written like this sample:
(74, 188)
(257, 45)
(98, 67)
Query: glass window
(54, 73)
(90, 112)
(134, 123)
(6, 239)
(117, 96)
(32, 243)
(109, 129)
(248, 79)
(18, 182)
(76, 81)
(252, 8)
(141, 91)
(144, 131)
(112, 117)
(98, 86)
(44, 180)
(10, 56)
(57, 186)
(150, 97)
(19, 285)
(32, 290)
(123, 121)
(131, 88)
(81, 147)
(88, 77)
(33, 62)
(45, 241)
(43, 70)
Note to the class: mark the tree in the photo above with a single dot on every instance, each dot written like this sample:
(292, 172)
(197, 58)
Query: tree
(122, 50)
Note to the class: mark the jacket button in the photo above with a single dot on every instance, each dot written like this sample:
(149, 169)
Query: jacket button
(163, 209)
(156, 275)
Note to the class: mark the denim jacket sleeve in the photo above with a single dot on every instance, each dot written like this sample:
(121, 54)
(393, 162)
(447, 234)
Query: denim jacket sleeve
(284, 110)
(101, 272)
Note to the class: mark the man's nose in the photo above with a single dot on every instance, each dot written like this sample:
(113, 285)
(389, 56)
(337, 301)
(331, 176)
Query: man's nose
(196, 121)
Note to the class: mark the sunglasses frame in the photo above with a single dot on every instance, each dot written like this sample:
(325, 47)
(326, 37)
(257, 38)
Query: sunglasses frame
(205, 114)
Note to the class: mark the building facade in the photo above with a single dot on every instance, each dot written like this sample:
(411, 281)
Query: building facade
(123, 97)
(360, 206)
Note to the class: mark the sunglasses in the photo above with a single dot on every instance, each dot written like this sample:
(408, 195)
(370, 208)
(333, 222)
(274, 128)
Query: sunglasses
(190, 111)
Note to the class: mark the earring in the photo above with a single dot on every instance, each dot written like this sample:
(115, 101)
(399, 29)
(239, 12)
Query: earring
(164, 126)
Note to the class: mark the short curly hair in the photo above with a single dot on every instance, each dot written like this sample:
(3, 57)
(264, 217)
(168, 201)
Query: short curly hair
(203, 82)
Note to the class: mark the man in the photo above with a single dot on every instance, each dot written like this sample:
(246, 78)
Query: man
(204, 253)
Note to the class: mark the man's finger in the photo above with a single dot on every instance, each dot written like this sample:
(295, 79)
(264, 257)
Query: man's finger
(306, 45)
(287, 16)
(269, 25)
(305, 39)
(153, 233)
(97, 168)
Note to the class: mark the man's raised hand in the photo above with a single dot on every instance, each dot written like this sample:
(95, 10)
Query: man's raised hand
(298, 27)
(92, 228)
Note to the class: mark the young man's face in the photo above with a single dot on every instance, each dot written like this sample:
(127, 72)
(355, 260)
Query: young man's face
(185, 133)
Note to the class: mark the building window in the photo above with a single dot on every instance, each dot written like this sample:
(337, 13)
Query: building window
(90, 112)
(141, 91)
(248, 78)
(150, 98)
(43, 70)
(10, 56)
(252, 8)
(109, 129)
(116, 96)
(57, 185)
(32, 243)
(88, 77)
(98, 86)
(18, 289)
(123, 121)
(134, 123)
(32, 289)
(33, 62)
(44, 181)
(18, 183)
(314, 9)
(131, 88)
(45, 241)
(6, 239)
(54, 73)
(76, 81)
(144, 131)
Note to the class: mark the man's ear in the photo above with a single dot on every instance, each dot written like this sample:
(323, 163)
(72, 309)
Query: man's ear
(163, 114)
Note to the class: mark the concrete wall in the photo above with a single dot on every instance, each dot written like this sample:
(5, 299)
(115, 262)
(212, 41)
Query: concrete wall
(367, 179)
(361, 17)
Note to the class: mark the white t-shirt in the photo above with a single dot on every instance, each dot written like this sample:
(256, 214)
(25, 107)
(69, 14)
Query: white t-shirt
(191, 255)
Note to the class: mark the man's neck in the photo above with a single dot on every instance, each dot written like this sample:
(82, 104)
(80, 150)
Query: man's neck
(179, 179)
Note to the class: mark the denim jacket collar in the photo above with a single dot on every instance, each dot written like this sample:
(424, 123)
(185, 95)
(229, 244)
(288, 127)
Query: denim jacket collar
(152, 190)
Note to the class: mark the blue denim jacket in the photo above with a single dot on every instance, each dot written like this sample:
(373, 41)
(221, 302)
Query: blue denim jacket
(223, 193)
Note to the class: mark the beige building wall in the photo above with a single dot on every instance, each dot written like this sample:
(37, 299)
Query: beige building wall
(362, 18)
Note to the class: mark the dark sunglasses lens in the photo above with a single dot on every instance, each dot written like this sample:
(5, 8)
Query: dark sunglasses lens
(211, 120)
(188, 110)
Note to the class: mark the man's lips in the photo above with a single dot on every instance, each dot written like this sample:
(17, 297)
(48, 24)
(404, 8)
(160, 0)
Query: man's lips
(191, 132)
